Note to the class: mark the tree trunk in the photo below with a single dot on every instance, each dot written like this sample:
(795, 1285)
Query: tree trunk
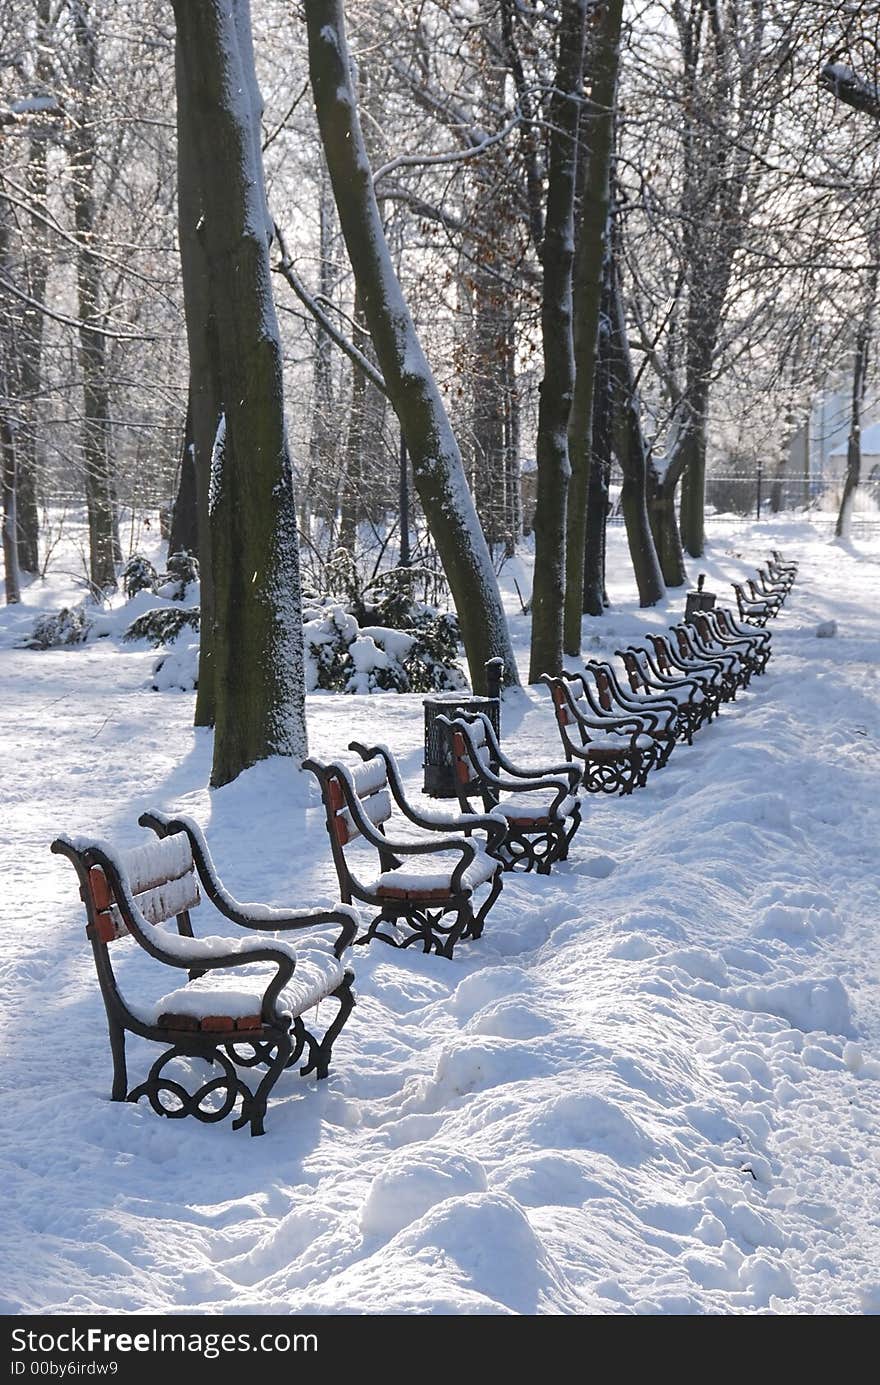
(664, 528)
(513, 521)
(632, 455)
(204, 377)
(436, 461)
(598, 480)
(548, 586)
(356, 443)
(320, 494)
(259, 688)
(184, 535)
(860, 380)
(103, 535)
(10, 527)
(30, 342)
(693, 485)
(587, 294)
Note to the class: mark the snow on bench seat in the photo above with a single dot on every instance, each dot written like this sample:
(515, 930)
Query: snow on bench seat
(426, 880)
(211, 1003)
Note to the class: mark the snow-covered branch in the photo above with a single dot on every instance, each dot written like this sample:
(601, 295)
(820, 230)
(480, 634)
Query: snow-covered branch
(285, 268)
(852, 89)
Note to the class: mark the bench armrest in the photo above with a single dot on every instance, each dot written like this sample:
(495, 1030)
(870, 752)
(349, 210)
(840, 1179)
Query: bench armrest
(252, 916)
(494, 827)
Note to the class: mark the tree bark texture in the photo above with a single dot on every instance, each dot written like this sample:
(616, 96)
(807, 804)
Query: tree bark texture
(860, 380)
(103, 535)
(632, 455)
(259, 686)
(548, 587)
(593, 597)
(10, 527)
(597, 129)
(184, 535)
(438, 473)
(204, 370)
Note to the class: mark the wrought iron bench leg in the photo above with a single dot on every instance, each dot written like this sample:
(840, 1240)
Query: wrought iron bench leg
(320, 1053)
(254, 1110)
(120, 1071)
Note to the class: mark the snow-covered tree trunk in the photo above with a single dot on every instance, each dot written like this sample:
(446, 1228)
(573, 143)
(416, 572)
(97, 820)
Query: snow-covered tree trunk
(10, 527)
(318, 495)
(436, 461)
(204, 382)
(259, 689)
(597, 128)
(593, 598)
(860, 380)
(184, 532)
(103, 534)
(548, 587)
(662, 485)
(32, 317)
(632, 455)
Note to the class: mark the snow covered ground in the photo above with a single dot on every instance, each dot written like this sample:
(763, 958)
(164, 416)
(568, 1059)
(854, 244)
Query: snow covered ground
(652, 1087)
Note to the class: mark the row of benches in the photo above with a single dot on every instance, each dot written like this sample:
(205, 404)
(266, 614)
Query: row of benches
(433, 877)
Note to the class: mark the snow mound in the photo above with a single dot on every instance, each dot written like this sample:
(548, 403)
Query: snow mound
(412, 1183)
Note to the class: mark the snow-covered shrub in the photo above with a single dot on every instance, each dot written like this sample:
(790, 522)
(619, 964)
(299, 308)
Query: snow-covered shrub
(70, 625)
(178, 670)
(181, 570)
(431, 662)
(138, 575)
(343, 657)
(327, 639)
(373, 668)
(163, 625)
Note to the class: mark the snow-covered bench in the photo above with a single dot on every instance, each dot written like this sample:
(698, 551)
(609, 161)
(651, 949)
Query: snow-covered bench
(717, 628)
(689, 645)
(770, 579)
(781, 566)
(233, 1021)
(604, 699)
(759, 591)
(711, 678)
(431, 891)
(661, 712)
(755, 612)
(694, 705)
(616, 755)
(540, 807)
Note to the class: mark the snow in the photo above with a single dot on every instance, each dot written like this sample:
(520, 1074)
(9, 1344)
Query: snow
(650, 1087)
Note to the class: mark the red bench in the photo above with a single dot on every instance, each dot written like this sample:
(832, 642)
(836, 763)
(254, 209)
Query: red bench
(234, 1022)
(439, 891)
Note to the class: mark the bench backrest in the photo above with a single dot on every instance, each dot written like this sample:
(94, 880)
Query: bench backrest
(161, 877)
(603, 686)
(370, 782)
(560, 704)
(636, 668)
(682, 639)
(470, 751)
(664, 663)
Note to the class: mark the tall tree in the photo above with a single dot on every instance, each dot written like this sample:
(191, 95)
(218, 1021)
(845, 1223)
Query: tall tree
(631, 452)
(548, 588)
(597, 134)
(864, 335)
(436, 461)
(259, 690)
(84, 155)
(205, 389)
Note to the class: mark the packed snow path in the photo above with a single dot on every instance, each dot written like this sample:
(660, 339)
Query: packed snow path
(651, 1088)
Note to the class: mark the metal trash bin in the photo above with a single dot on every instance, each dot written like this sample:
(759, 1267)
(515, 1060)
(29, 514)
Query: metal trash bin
(439, 778)
(698, 600)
